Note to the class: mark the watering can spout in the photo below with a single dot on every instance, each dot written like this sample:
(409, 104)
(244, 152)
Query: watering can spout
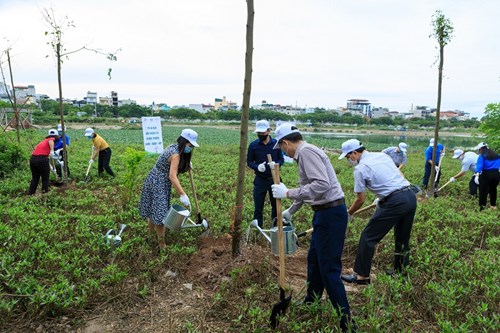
(255, 224)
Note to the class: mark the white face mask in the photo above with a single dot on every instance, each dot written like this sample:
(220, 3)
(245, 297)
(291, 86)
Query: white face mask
(352, 163)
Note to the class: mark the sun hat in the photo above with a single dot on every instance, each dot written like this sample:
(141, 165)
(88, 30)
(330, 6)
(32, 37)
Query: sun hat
(88, 132)
(284, 130)
(349, 146)
(481, 145)
(53, 132)
(402, 146)
(191, 136)
(457, 153)
(261, 126)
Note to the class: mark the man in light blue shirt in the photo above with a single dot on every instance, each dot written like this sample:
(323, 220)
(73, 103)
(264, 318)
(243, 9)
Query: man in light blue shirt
(398, 154)
(469, 160)
(396, 208)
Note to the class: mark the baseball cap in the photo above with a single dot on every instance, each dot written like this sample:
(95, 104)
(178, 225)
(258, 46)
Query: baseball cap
(282, 131)
(431, 142)
(261, 126)
(191, 136)
(457, 153)
(349, 146)
(53, 132)
(59, 127)
(481, 145)
(403, 146)
(88, 132)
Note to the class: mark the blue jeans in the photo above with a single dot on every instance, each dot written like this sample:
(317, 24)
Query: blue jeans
(261, 186)
(324, 259)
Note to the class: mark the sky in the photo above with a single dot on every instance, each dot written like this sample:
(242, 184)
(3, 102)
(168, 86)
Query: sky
(307, 53)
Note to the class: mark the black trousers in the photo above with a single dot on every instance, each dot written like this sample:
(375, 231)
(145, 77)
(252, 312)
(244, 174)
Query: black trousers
(103, 162)
(59, 167)
(397, 212)
(473, 186)
(488, 182)
(40, 168)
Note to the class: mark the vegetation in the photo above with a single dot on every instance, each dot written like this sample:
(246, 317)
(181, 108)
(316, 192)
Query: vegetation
(55, 262)
(491, 125)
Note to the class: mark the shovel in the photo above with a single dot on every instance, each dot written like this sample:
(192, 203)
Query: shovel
(88, 168)
(280, 307)
(200, 220)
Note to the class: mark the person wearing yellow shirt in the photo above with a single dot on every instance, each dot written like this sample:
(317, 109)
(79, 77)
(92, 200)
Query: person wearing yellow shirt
(101, 150)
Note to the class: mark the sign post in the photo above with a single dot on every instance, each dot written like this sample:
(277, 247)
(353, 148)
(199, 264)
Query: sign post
(151, 133)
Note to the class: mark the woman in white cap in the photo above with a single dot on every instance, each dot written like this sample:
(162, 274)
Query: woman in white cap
(39, 162)
(487, 175)
(469, 160)
(157, 189)
(102, 151)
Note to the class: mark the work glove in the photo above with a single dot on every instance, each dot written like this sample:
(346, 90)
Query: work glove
(287, 216)
(349, 217)
(271, 165)
(476, 179)
(437, 169)
(279, 191)
(185, 200)
(453, 179)
(262, 167)
(53, 155)
(91, 161)
(375, 202)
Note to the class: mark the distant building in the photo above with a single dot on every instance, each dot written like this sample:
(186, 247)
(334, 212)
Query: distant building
(380, 112)
(360, 106)
(91, 98)
(105, 101)
(114, 98)
(222, 104)
(422, 111)
(201, 108)
(127, 101)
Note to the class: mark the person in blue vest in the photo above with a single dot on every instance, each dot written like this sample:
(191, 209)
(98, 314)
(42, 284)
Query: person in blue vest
(487, 175)
(58, 148)
(469, 160)
(428, 165)
(257, 161)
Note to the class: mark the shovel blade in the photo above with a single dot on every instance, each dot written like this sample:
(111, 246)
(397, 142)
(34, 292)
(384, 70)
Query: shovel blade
(279, 308)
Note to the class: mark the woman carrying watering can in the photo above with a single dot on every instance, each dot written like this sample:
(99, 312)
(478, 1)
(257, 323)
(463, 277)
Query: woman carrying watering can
(157, 188)
(318, 187)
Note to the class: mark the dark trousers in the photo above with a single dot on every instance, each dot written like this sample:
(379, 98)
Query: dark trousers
(473, 186)
(103, 162)
(324, 259)
(261, 186)
(59, 168)
(488, 182)
(397, 212)
(427, 175)
(40, 168)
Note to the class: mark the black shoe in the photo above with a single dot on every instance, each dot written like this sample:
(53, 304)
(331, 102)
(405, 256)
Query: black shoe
(353, 278)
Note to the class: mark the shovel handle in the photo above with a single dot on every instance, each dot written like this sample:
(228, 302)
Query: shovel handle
(444, 186)
(191, 180)
(281, 244)
(364, 209)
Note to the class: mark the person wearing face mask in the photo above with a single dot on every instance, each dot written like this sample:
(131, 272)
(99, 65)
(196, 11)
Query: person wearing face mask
(157, 189)
(398, 154)
(469, 160)
(257, 161)
(101, 150)
(319, 188)
(396, 208)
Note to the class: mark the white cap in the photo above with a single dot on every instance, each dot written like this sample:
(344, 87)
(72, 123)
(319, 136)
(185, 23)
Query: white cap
(481, 145)
(402, 146)
(457, 153)
(53, 132)
(284, 130)
(59, 127)
(431, 142)
(191, 136)
(261, 126)
(349, 146)
(88, 132)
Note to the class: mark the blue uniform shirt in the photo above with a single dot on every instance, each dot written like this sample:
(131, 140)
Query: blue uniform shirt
(484, 164)
(257, 153)
(59, 144)
(428, 153)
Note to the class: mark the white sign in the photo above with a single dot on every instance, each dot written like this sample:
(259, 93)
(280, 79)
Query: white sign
(151, 133)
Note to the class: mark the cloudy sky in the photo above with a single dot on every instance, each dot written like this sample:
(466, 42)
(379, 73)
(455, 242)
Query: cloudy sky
(306, 52)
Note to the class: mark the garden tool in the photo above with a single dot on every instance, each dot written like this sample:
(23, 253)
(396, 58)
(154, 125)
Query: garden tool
(176, 218)
(365, 209)
(88, 168)
(448, 182)
(114, 239)
(198, 212)
(280, 307)
(271, 235)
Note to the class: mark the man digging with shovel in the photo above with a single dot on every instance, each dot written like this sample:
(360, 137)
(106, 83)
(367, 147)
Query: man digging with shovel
(318, 187)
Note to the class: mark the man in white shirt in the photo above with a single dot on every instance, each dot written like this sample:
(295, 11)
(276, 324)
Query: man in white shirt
(469, 160)
(398, 154)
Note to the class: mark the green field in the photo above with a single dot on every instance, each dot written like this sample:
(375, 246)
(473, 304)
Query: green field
(55, 262)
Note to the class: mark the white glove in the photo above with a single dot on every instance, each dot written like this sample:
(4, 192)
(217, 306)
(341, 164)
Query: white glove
(375, 202)
(91, 161)
(349, 217)
(476, 179)
(262, 167)
(453, 179)
(53, 155)
(271, 165)
(279, 190)
(191, 166)
(185, 200)
(437, 169)
(287, 216)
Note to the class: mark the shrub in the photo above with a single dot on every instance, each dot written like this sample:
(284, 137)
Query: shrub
(10, 156)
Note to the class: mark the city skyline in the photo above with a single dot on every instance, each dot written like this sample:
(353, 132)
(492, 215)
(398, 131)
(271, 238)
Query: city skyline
(314, 54)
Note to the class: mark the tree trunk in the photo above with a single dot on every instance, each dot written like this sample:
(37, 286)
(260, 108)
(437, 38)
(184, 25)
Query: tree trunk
(14, 103)
(438, 113)
(247, 89)
(61, 112)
